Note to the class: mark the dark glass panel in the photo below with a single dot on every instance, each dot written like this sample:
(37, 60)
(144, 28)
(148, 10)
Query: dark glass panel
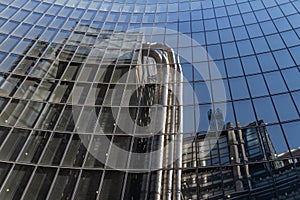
(16, 182)
(88, 187)
(55, 149)
(40, 183)
(76, 151)
(112, 185)
(34, 147)
(64, 184)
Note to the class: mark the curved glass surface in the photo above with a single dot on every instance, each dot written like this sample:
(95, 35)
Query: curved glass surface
(91, 90)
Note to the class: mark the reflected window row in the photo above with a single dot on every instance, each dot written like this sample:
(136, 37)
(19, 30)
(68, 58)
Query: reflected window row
(185, 25)
(65, 183)
(70, 150)
(65, 149)
(157, 7)
(267, 108)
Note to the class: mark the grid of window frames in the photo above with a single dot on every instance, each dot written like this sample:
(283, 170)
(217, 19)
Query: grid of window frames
(254, 44)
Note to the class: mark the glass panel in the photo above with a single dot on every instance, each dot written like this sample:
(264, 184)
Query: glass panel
(230, 50)
(3, 133)
(68, 118)
(64, 184)
(257, 85)
(244, 112)
(99, 149)
(88, 187)
(10, 63)
(292, 134)
(267, 62)
(234, 67)
(285, 107)
(49, 116)
(40, 184)
(250, 65)
(76, 151)
(16, 182)
(135, 186)
(239, 89)
(112, 185)
(116, 156)
(34, 147)
(265, 110)
(43, 91)
(275, 82)
(12, 112)
(292, 78)
(9, 85)
(13, 144)
(30, 114)
(55, 149)
(4, 169)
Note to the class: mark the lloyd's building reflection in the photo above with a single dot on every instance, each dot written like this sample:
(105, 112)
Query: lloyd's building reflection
(107, 105)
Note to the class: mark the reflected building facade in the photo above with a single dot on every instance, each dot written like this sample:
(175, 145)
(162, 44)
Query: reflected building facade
(93, 107)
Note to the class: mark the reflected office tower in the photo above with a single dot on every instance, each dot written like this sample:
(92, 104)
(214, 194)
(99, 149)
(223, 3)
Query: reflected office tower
(226, 172)
(156, 99)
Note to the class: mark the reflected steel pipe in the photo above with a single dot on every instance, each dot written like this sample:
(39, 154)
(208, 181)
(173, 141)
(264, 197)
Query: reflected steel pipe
(172, 179)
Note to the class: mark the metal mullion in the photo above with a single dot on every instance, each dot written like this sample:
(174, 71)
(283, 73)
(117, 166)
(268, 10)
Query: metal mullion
(77, 184)
(227, 77)
(130, 148)
(131, 145)
(213, 106)
(29, 182)
(53, 183)
(105, 166)
(100, 184)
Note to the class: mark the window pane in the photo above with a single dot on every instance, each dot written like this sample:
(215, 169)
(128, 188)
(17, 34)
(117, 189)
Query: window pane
(34, 147)
(76, 151)
(265, 110)
(40, 183)
(64, 184)
(275, 82)
(55, 149)
(16, 182)
(112, 185)
(239, 88)
(89, 185)
(285, 107)
(292, 134)
(13, 144)
(244, 112)
(257, 85)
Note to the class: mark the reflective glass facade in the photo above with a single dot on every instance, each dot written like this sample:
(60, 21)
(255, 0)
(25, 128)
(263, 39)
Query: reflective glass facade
(132, 99)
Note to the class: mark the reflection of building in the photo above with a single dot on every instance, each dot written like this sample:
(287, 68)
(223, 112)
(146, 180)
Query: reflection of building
(56, 129)
(241, 161)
